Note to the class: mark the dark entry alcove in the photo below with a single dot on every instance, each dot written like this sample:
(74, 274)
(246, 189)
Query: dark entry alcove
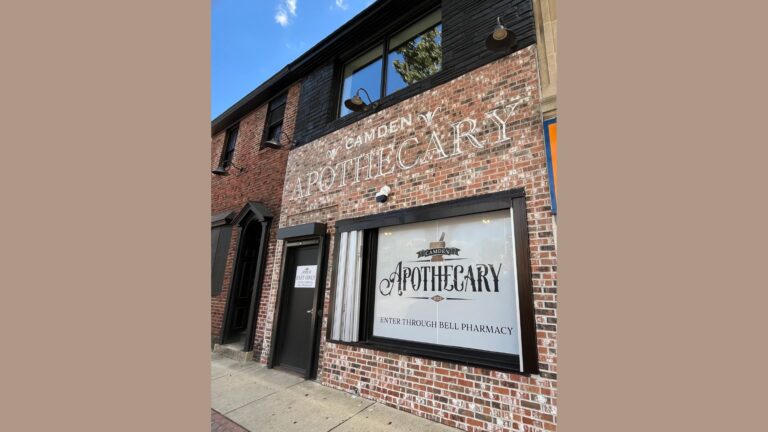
(242, 288)
(243, 301)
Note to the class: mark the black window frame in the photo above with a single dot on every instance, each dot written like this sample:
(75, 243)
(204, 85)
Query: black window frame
(382, 81)
(227, 154)
(271, 123)
(382, 42)
(417, 35)
(514, 199)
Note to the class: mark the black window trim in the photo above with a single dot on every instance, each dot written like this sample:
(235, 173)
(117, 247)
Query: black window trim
(382, 41)
(514, 199)
(270, 109)
(340, 101)
(269, 123)
(224, 162)
(365, 65)
(420, 34)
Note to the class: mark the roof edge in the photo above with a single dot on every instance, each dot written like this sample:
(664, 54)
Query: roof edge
(285, 76)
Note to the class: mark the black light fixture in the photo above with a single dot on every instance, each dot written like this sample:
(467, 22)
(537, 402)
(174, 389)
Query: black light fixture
(275, 143)
(502, 39)
(220, 170)
(356, 103)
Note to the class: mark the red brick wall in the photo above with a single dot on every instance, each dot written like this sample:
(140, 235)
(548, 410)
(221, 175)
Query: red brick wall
(261, 181)
(470, 398)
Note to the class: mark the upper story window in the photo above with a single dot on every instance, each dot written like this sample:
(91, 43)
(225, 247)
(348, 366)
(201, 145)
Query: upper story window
(228, 152)
(402, 59)
(363, 72)
(274, 123)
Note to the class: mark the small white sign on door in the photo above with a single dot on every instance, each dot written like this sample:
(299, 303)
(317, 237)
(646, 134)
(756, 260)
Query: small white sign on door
(305, 276)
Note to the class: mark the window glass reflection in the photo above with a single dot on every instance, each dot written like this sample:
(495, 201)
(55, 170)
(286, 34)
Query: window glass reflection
(415, 53)
(363, 72)
(415, 59)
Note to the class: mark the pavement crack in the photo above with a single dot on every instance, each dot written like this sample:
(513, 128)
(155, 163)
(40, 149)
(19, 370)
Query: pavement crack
(353, 415)
(293, 385)
(265, 396)
(255, 400)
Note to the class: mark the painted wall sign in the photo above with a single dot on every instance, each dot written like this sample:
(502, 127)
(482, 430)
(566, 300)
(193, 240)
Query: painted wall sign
(305, 276)
(550, 142)
(432, 135)
(449, 282)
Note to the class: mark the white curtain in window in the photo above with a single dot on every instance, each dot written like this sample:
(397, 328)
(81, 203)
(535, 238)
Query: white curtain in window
(346, 308)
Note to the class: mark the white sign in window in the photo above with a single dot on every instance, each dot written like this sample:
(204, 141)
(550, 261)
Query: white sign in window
(449, 282)
(305, 276)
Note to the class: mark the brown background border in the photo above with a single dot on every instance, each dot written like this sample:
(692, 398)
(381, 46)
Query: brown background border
(105, 317)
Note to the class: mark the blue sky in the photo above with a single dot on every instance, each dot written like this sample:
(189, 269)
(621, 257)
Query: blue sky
(253, 39)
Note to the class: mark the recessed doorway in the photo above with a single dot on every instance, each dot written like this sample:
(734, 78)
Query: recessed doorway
(245, 290)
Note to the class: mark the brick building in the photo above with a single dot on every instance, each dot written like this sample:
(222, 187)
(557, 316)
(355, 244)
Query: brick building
(246, 192)
(390, 233)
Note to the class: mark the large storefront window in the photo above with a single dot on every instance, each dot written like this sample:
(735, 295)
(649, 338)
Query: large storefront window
(441, 281)
(449, 282)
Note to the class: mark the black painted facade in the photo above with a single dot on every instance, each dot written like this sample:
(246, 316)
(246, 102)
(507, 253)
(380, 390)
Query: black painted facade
(466, 24)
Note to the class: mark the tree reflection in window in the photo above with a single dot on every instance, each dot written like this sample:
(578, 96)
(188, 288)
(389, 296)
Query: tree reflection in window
(415, 59)
(413, 54)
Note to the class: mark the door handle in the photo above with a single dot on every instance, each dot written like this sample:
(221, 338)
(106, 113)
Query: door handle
(309, 311)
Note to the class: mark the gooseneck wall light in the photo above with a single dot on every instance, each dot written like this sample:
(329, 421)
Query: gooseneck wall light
(356, 103)
(275, 142)
(220, 170)
(502, 39)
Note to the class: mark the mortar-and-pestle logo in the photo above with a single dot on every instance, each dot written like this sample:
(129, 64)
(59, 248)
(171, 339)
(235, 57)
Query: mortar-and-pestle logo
(437, 250)
(440, 244)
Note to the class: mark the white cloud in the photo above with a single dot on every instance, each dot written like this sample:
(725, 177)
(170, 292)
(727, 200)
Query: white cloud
(281, 18)
(342, 4)
(284, 8)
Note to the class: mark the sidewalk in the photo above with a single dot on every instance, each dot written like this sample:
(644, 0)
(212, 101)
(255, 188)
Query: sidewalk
(259, 399)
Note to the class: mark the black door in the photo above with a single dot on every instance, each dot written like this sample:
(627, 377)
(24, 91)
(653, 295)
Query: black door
(294, 337)
(243, 287)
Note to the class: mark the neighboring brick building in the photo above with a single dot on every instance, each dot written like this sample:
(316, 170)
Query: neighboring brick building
(259, 182)
(415, 260)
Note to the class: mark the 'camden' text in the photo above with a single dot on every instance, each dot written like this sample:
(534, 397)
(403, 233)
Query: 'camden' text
(406, 154)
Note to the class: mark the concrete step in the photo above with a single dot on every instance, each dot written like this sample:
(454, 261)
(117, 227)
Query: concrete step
(233, 352)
